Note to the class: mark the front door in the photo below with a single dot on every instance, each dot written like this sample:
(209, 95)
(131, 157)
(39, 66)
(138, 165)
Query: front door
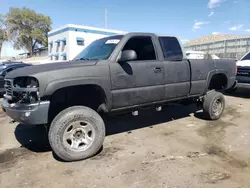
(139, 81)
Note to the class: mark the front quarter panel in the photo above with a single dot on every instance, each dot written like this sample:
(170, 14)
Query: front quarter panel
(96, 75)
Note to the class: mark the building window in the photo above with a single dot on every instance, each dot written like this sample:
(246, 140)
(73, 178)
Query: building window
(50, 47)
(57, 46)
(63, 44)
(80, 41)
(64, 56)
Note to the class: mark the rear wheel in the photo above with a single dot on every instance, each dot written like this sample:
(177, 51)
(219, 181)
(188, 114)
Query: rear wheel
(213, 105)
(76, 133)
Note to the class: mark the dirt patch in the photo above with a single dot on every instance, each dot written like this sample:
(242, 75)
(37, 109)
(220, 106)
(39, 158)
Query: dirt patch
(2, 113)
(214, 132)
(10, 157)
(231, 160)
(214, 177)
(232, 112)
(68, 172)
(106, 153)
(194, 154)
(167, 133)
(215, 129)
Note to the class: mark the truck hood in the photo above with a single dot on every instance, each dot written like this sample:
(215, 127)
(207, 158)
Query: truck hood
(245, 63)
(36, 69)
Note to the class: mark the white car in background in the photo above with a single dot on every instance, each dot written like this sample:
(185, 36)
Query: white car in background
(200, 55)
(243, 73)
(244, 61)
(195, 55)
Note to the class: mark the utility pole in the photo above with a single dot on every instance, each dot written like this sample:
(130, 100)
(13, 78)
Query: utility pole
(106, 18)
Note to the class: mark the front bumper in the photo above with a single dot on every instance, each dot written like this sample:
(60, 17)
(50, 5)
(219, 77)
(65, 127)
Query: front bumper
(36, 113)
(243, 79)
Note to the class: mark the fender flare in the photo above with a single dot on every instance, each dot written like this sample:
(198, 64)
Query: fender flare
(59, 84)
(211, 74)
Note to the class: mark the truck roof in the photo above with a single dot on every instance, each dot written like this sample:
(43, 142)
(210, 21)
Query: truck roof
(152, 34)
(146, 33)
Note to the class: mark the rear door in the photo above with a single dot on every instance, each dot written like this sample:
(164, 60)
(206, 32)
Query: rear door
(139, 81)
(177, 70)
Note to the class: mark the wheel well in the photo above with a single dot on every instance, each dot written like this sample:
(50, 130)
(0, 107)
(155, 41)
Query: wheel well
(218, 82)
(92, 96)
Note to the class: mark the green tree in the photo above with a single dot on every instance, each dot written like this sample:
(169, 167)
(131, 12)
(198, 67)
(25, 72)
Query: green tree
(27, 29)
(3, 33)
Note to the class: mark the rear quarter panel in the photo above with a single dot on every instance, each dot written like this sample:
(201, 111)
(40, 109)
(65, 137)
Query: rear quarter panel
(200, 69)
(227, 67)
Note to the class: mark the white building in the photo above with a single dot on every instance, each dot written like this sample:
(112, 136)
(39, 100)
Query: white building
(66, 42)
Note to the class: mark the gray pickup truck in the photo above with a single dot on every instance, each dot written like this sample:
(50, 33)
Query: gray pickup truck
(117, 73)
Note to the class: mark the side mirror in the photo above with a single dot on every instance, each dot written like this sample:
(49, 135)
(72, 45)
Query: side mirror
(128, 55)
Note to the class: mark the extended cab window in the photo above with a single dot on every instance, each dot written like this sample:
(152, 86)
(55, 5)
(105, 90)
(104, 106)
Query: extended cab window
(171, 48)
(246, 57)
(143, 46)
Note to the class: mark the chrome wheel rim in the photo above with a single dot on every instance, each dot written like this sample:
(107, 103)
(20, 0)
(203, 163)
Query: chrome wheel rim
(217, 107)
(79, 136)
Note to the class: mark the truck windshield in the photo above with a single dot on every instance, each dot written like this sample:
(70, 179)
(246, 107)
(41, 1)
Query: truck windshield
(100, 49)
(246, 57)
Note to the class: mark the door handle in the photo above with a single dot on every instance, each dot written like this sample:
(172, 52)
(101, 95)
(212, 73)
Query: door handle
(157, 69)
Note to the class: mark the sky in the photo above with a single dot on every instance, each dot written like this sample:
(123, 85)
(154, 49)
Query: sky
(186, 19)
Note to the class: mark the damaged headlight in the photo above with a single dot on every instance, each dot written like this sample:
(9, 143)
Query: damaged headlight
(26, 82)
(26, 89)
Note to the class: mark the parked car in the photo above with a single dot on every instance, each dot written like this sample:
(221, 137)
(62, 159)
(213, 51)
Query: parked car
(243, 73)
(195, 55)
(6, 68)
(4, 62)
(200, 55)
(114, 74)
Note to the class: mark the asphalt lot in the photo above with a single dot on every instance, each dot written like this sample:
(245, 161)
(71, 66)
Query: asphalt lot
(173, 148)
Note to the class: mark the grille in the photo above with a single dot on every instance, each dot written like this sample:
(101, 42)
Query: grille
(243, 72)
(8, 87)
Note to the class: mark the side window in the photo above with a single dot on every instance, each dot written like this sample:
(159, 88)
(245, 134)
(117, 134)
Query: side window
(171, 48)
(143, 46)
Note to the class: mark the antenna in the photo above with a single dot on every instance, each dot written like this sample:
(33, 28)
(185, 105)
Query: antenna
(106, 18)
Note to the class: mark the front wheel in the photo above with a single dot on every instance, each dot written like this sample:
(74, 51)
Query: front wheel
(214, 105)
(76, 133)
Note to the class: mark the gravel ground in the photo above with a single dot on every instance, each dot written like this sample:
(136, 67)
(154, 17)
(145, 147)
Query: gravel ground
(173, 148)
